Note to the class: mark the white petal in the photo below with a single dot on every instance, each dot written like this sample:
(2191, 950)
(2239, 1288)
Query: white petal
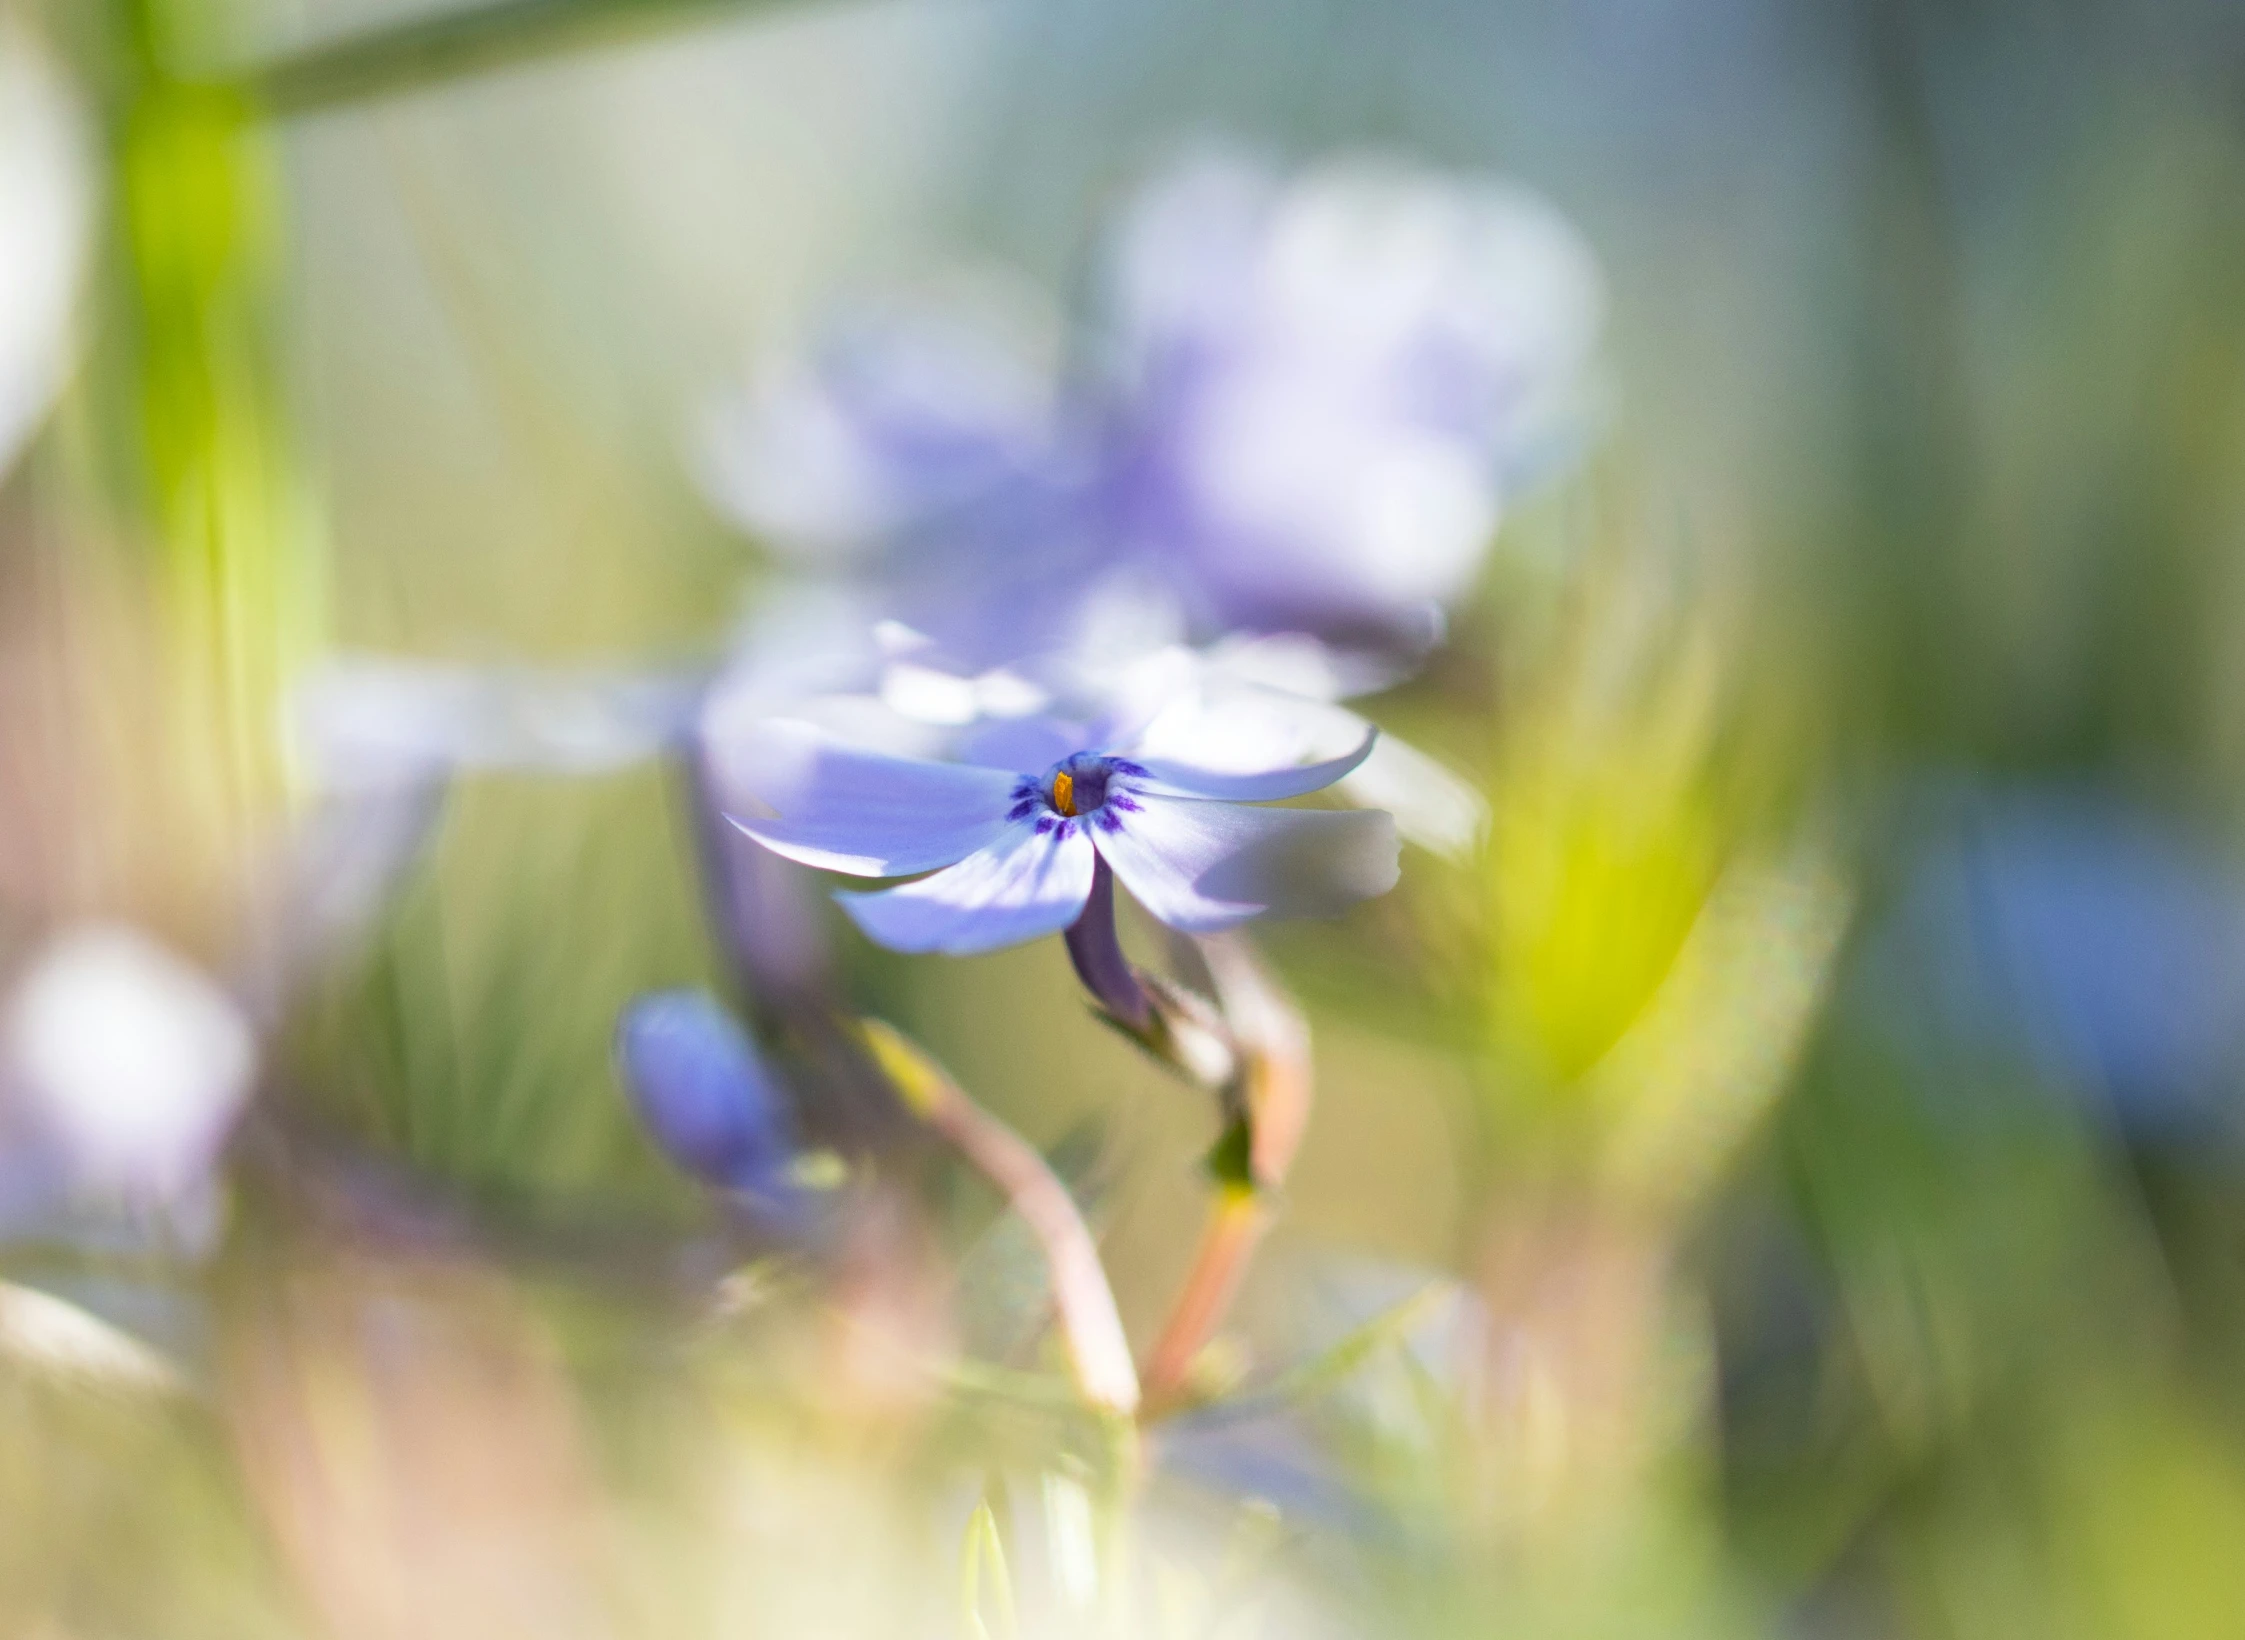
(1184, 780)
(1025, 884)
(831, 805)
(1222, 724)
(928, 694)
(1433, 807)
(1201, 866)
(1293, 663)
(132, 1062)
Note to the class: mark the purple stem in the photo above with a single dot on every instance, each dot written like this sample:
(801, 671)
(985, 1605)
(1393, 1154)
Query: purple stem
(765, 925)
(758, 910)
(1098, 955)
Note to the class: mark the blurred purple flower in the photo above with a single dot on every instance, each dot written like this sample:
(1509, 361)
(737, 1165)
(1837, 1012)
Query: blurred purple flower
(1328, 384)
(708, 1100)
(1306, 407)
(900, 411)
(1014, 856)
(2095, 944)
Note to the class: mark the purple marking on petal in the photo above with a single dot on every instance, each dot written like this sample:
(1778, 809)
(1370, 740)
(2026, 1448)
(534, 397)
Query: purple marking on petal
(1123, 801)
(1023, 809)
(1045, 823)
(1108, 820)
(1121, 766)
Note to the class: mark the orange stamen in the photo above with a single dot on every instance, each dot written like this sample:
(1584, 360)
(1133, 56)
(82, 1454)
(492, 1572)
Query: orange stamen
(1064, 792)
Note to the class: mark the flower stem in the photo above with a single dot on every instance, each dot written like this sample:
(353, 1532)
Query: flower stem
(1235, 1226)
(1096, 950)
(1082, 1299)
(757, 911)
(1274, 1045)
(1272, 1090)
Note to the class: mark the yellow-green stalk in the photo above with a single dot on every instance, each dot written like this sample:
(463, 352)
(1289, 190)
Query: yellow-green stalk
(238, 582)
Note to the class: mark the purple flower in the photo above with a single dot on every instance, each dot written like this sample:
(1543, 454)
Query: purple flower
(901, 410)
(708, 1101)
(1247, 703)
(1013, 856)
(1302, 407)
(1332, 383)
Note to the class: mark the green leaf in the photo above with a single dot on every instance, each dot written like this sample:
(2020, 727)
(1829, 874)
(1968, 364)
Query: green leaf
(1230, 1159)
(983, 1553)
(1327, 1371)
(428, 51)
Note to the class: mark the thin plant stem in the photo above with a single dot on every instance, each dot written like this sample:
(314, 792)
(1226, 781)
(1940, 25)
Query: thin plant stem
(1273, 1092)
(1236, 1223)
(1274, 1042)
(1083, 1302)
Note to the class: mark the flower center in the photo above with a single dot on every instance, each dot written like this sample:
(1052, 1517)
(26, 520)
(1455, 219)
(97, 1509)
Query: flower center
(1086, 789)
(1078, 785)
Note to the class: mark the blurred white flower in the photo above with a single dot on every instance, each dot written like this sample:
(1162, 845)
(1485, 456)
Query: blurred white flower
(45, 217)
(122, 1067)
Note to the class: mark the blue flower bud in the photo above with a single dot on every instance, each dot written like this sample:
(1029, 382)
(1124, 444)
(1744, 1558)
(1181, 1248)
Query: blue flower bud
(708, 1100)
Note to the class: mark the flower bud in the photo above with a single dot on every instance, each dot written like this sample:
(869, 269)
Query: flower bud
(709, 1102)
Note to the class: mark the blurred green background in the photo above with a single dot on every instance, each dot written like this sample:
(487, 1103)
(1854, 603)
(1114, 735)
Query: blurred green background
(1818, 1103)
